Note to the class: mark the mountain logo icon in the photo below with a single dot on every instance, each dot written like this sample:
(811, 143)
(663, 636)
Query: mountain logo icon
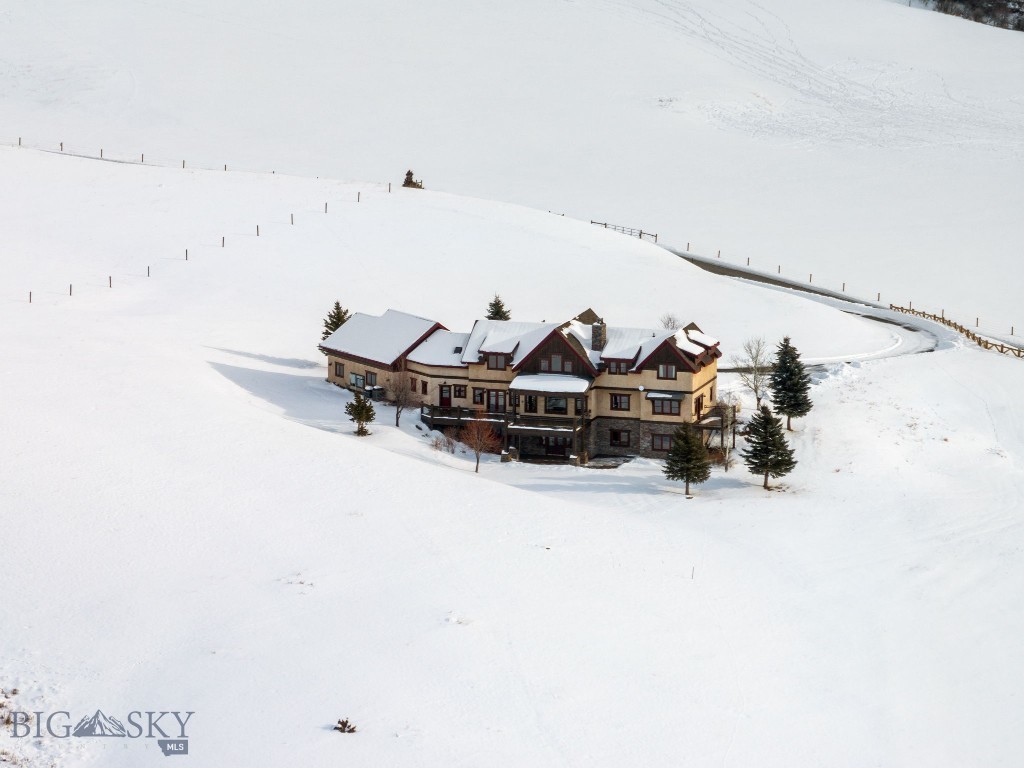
(99, 725)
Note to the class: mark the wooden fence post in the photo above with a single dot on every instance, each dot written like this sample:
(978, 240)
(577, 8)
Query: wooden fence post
(257, 230)
(62, 146)
(186, 254)
(293, 218)
(810, 278)
(358, 196)
(30, 292)
(71, 289)
(110, 281)
(101, 153)
(222, 241)
(147, 271)
(748, 261)
(182, 163)
(844, 287)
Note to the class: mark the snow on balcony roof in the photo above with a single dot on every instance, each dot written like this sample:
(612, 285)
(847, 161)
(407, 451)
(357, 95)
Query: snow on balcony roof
(440, 349)
(382, 338)
(550, 382)
(505, 337)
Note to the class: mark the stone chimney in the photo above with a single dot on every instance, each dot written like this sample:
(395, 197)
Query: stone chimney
(598, 335)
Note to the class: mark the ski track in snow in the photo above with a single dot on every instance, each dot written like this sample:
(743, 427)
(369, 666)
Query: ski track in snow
(864, 103)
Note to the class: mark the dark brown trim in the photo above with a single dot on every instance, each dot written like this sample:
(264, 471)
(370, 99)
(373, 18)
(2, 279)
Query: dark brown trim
(585, 360)
(692, 365)
(361, 360)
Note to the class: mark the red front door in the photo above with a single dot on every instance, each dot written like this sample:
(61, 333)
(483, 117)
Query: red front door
(446, 396)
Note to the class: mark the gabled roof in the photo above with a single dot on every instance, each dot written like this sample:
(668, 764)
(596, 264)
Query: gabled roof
(440, 348)
(384, 339)
(505, 337)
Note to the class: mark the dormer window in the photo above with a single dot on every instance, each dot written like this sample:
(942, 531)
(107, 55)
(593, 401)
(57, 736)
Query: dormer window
(496, 362)
(618, 367)
(667, 371)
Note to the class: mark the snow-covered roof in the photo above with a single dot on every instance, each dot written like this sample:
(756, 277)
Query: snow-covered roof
(637, 343)
(440, 348)
(686, 345)
(701, 338)
(505, 337)
(383, 339)
(550, 382)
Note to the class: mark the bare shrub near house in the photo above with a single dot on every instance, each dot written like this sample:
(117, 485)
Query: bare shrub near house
(402, 393)
(444, 441)
(480, 437)
(754, 365)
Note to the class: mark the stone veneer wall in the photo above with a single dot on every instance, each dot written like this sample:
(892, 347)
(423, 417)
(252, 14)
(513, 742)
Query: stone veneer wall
(599, 442)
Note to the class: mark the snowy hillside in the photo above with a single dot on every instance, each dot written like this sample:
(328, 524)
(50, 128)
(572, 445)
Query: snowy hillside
(189, 523)
(862, 141)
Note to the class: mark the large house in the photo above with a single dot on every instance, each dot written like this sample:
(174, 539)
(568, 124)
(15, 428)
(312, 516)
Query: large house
(574, 389)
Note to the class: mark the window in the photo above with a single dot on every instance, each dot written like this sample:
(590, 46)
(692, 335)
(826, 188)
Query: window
(371, 379)
(496, 362)
(667, 407)
(423, 387)
(355, 380)
(667, 371)
(579, 406)
(413, 386)
(478, 396)
(460, 390)
(555, 364)
(339, 370)
(661, 442)
(556, 405)
(619, 437)
(618, 367)
(620, 402)
(531, 404)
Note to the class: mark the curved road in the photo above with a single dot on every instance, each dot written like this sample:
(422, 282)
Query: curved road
(914, 335)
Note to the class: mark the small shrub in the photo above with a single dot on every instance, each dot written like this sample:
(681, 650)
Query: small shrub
(344, 726)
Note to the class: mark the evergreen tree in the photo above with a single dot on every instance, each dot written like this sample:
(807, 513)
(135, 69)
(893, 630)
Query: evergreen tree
(361, 412)
(496, 309)
(687, 458)
(767, 452)
(789, 383)
(334, 320)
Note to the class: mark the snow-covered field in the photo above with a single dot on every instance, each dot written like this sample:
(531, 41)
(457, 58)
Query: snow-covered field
(188, 523)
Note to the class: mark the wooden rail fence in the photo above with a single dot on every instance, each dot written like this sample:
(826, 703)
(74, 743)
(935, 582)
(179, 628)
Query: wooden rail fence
(981, 341)
(627, 230)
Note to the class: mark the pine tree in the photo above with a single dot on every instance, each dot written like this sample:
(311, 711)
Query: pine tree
(789, 383)
(687, 458)
(334, 320)
(361, 412)
(767, 452)
(496, 309)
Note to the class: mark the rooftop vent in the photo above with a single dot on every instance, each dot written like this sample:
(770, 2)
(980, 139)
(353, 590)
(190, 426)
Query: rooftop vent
(458, 350)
